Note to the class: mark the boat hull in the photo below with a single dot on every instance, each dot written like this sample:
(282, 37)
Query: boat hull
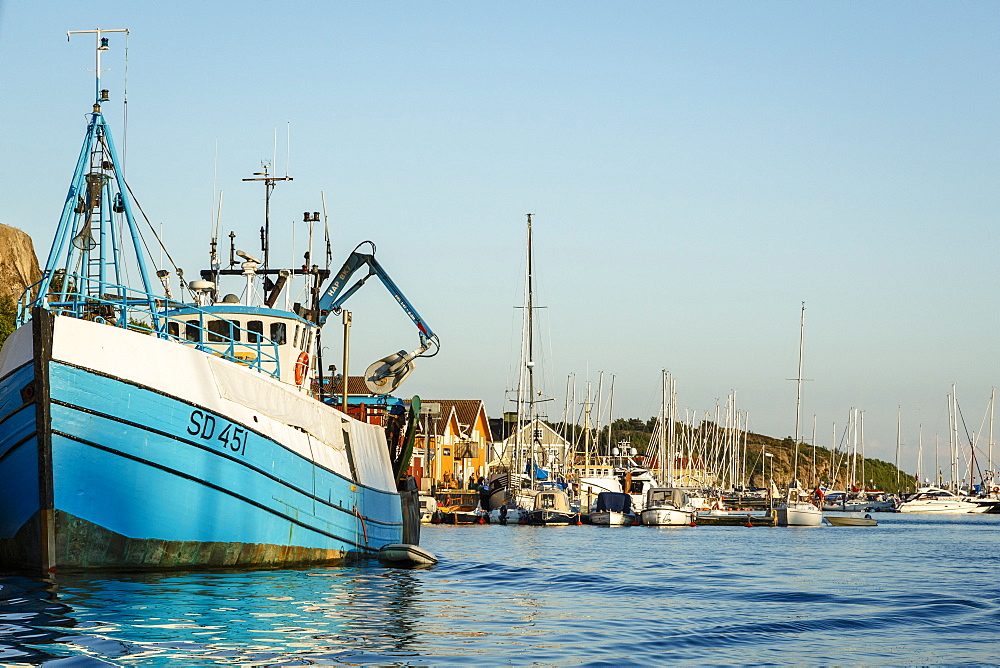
(402, 554)
(546, 517)
(841, 521)
(665, 517)
(941, 507)
(131, 456)
(611, 518)
(799, 515)
(504, 515)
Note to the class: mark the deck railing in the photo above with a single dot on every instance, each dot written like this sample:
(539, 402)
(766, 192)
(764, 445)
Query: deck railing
(120, 306)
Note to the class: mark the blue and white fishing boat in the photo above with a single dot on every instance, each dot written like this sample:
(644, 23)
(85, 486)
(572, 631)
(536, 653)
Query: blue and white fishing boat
(140, 432)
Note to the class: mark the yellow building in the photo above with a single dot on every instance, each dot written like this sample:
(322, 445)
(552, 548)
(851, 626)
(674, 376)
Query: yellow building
(452, 444)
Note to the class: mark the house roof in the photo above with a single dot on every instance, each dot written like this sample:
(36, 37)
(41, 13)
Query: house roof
(355, 386)
(466, 412)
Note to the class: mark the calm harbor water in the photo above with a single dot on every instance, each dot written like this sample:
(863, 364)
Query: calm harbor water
(913, 590)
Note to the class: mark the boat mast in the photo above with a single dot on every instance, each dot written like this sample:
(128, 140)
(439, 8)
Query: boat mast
(989, 458)
(798, 395)
(921, 473)
(663, 427)
(86, 244)
(899, 419)
(530, 358)
(269, 182)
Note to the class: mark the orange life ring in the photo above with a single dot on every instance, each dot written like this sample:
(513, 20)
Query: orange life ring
(301, 366)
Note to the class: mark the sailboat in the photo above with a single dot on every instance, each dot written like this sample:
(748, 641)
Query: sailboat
(794, 511)
(145, 432)
(530, 496)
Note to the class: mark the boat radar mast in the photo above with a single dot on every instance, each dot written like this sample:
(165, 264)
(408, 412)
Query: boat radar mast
(269, 182)
(102, 45)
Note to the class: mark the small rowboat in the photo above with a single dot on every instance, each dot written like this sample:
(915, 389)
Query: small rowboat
(841, 521)
(403, 554)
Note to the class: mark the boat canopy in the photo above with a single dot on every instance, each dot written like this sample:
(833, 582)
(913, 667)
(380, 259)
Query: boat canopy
(557, 501)
(616, 502)
(666, 496)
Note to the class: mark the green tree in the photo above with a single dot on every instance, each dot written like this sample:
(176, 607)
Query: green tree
(8, 317)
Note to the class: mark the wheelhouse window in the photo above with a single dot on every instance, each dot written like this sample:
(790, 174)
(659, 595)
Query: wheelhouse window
(174, 328)
(219, 331)
(278, 334)
(255, 331)
(295, 338)
(192, 331)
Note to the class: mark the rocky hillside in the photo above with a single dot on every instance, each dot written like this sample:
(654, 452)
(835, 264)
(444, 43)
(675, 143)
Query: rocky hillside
(18, 263)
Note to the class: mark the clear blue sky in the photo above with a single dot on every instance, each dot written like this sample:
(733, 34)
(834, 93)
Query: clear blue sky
(696, 170)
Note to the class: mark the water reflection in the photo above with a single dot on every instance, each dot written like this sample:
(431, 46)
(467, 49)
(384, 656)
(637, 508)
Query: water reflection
(264, 617)
(908, 592)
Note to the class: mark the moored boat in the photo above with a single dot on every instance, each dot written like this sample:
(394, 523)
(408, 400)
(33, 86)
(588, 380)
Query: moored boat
(798, 513)
(404, 554)
(937, 500)
(428, 506)
(142, 432)
(849, 521)
(551, 507)
(794, 509)
(613, 509)
(667, 506)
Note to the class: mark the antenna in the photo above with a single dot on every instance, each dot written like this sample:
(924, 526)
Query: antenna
(326, 231)
(215, 221)
(102, 45)
(269, 183)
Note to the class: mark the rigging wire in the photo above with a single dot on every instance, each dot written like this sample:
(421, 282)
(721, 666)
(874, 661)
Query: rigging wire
(156, 236)
(125, 110)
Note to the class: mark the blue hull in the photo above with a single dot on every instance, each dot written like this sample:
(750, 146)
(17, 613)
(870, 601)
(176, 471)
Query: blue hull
(100, 473)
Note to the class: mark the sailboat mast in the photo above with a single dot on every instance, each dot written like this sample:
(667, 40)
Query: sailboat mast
(530, 359)
(989, 459)
(899, 423)
(663, 427)
(798, 393)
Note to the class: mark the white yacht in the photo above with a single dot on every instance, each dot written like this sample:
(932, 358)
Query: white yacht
(937, 500)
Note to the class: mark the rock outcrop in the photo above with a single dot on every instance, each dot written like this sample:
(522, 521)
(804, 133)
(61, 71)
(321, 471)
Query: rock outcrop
(18, 263)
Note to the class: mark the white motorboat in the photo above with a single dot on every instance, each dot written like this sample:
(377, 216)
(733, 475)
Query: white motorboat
(937, 500)
(428, 506)
(613, 509)
(509, 514)
(798, 514)
(667, 506)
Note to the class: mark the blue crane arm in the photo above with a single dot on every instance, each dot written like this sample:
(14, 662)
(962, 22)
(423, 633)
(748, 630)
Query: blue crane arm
(336, 295)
